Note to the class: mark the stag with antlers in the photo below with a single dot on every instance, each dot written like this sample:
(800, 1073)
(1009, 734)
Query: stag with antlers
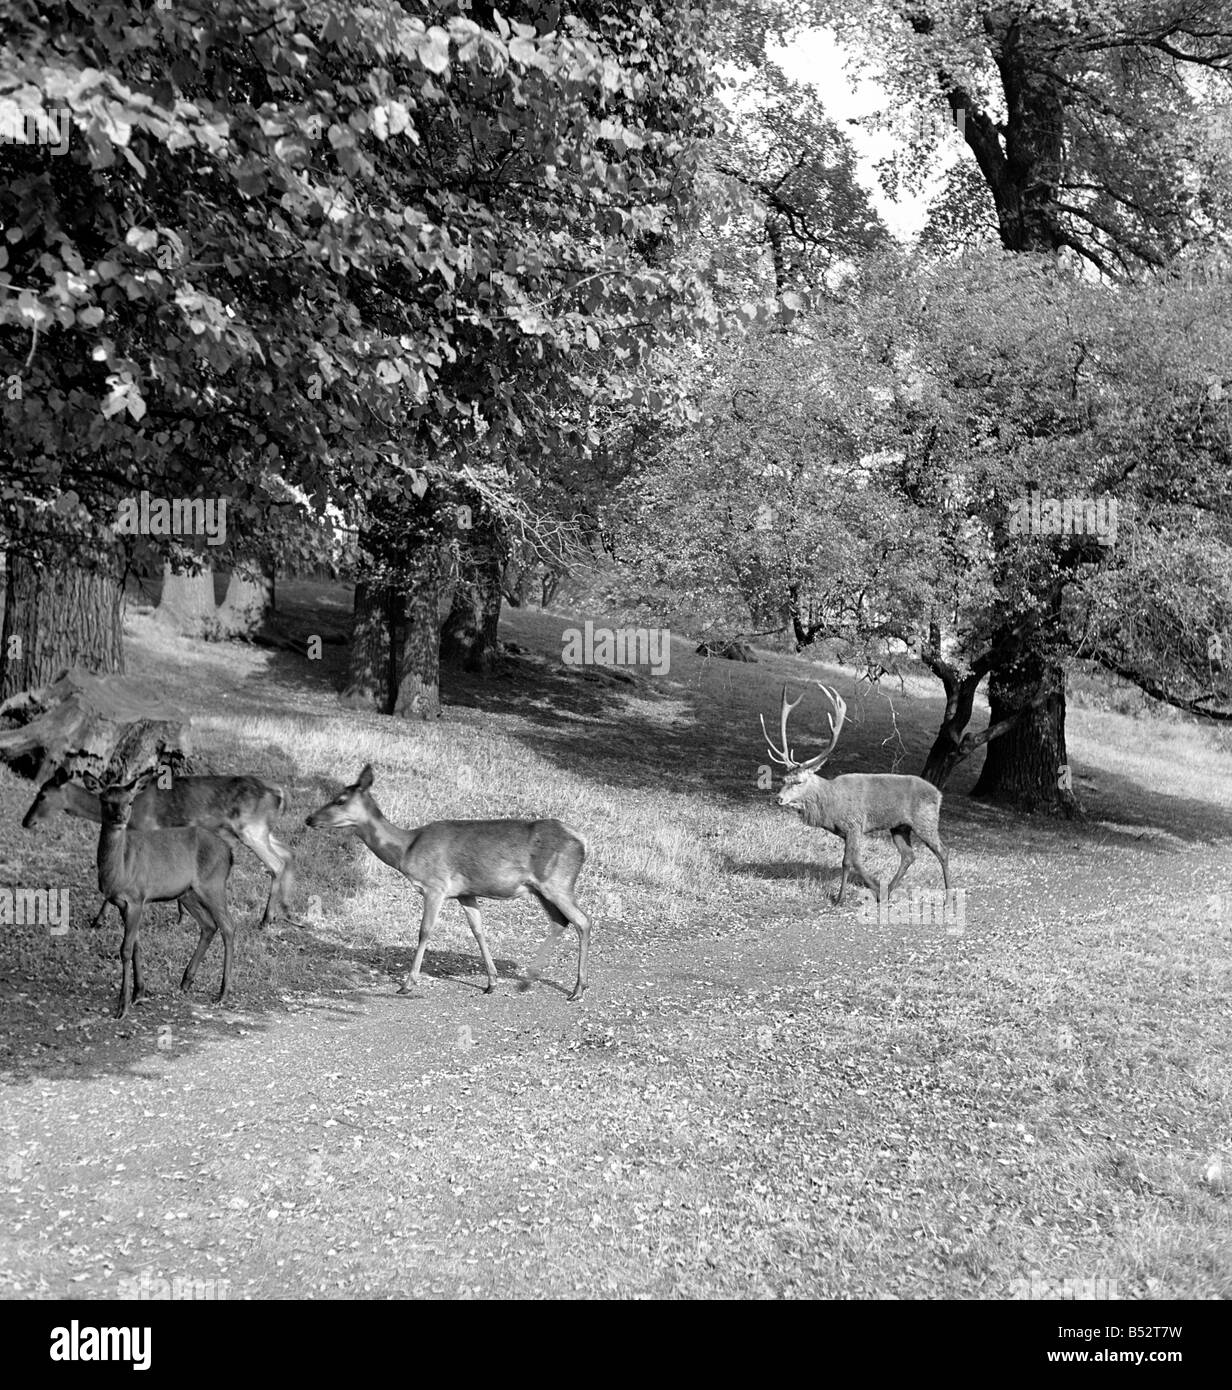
(858, 803)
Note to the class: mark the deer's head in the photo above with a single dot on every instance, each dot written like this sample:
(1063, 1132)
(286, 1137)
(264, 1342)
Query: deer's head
(352, 806)
(801, 779)
(115, 802)
(53, 797)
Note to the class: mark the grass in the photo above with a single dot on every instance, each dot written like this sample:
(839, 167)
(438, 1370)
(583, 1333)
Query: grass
(762, 1095)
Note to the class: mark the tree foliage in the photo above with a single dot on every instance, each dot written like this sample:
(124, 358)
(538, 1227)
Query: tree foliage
(1099, 130)
(298, 243)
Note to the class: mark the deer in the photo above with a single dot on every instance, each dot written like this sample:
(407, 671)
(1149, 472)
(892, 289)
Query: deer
(241, 807)
(468, 860)
(188, 864)
(857, 803)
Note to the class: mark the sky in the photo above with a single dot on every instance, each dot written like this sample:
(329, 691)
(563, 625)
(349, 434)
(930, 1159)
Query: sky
(817, 58)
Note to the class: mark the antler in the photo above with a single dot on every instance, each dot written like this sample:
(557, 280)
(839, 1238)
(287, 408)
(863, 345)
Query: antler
(840, 708)
(782, 756)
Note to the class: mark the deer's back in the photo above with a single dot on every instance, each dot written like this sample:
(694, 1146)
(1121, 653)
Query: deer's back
(494, 858)
(206, 801)
(883, 801)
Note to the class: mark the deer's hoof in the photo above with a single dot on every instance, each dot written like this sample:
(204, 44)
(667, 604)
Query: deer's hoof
(491, 989)
(577, 994)
(406, 987)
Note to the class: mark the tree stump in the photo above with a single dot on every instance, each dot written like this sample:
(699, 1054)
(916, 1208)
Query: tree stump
(248, 603)
(729, 648)
(111, 726)
(187, 604)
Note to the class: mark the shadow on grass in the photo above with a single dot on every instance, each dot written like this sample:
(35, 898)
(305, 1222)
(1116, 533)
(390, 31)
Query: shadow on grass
(699, 728)
(805, 870)
(715, 745)
(453, 967)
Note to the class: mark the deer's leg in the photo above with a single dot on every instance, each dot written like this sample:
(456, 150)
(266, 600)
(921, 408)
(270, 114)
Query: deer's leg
(277, 859)
(132, 926)
(901, 835)
(851, 860)
(559, 922)
(227, 927)
(432, 905)
(279, 904)
(561, 900)
(140, 993)
(205, 919)
(933, 841)
(99, 915)
(474, 920)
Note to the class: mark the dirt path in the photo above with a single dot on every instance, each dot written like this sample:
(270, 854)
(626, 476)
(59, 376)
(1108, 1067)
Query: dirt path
(451, 1144)
(362, 1145)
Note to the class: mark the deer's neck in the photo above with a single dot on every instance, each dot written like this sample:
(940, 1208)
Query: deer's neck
(387, 841)
(818, 809)
(112, 842)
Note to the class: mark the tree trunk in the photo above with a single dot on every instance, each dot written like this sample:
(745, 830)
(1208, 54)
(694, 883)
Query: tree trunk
(947, 751)
(418, 666)
(469, 636)
(248, 602)
(57, 616)
(1027, 767)
(514, 581)
(551, 582)
(372, 677)
(187, 604)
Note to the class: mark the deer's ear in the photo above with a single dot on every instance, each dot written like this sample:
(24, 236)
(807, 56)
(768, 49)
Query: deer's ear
(365, 778)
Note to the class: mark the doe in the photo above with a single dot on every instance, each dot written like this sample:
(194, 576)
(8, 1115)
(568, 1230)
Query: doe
(468, 860)
(187, 864)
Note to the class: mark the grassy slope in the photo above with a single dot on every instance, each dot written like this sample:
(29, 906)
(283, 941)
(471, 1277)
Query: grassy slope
(762, 1094)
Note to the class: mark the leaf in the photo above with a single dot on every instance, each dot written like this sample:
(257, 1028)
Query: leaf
(433, 50)
(526, 52)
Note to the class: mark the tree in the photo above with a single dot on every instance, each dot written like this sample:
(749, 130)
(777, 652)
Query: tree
(1093, 137)
(883, 476)
(309, 244)
(468, 635)
(807, 207)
